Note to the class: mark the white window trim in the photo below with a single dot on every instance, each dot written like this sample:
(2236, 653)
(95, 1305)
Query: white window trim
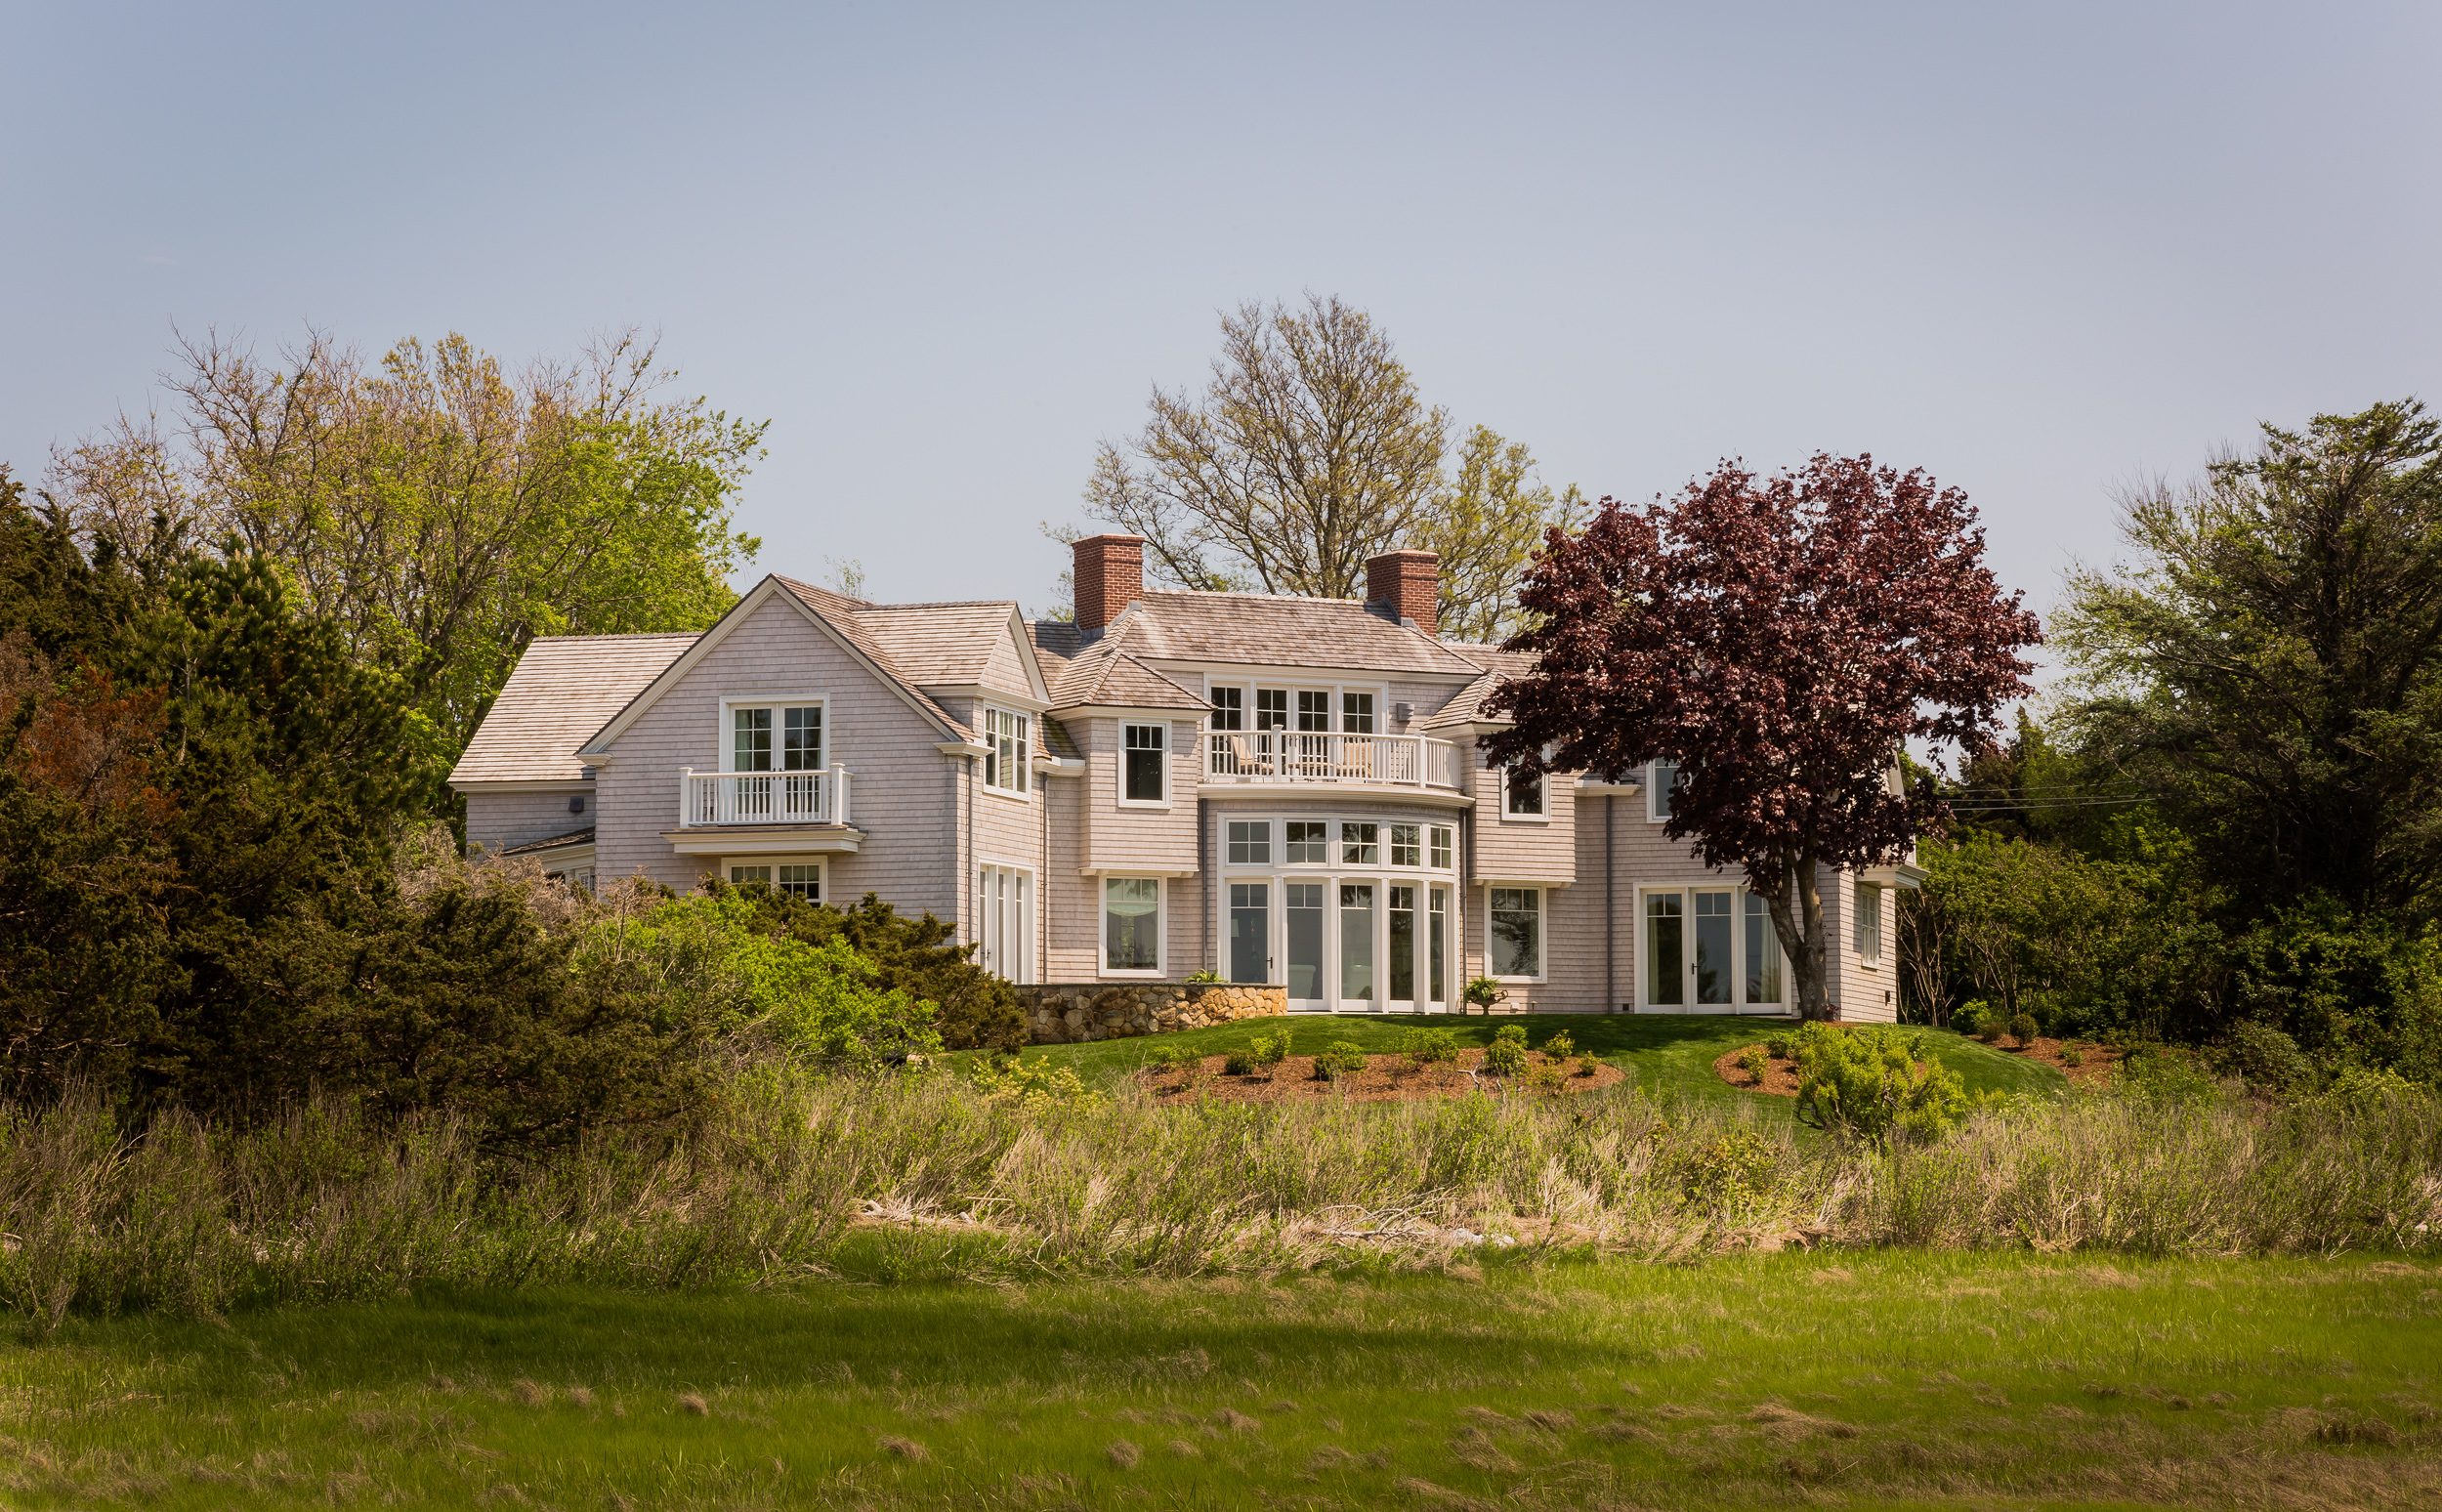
(822, 863)
(1169, 750)
(1542, 817)
(1543, 931)
(1161, 927)
(1338, 693)
(991, 737)
(1274, 846)
(1655, 793)
(1028, 967)
(1881, 924)
(776, 702)
(1641, 949)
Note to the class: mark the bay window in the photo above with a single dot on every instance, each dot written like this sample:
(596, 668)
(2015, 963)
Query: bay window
(1011, 755)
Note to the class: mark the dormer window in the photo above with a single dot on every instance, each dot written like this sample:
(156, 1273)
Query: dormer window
(1010, 753)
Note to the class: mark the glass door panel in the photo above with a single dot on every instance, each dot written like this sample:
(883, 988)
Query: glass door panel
(1250, 932)
(1763, 956)
(1438, 946)
(1304, 918)
(1665, 959)
(1716, 966)
(1357, 942)
(1403, 948)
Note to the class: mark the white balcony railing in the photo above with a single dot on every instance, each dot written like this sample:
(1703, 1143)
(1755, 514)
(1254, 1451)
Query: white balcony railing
(1295, 756)
(709, 798)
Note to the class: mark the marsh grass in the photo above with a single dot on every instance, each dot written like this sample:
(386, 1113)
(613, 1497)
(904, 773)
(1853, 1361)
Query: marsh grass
(1886, 1378)
(925, 1177)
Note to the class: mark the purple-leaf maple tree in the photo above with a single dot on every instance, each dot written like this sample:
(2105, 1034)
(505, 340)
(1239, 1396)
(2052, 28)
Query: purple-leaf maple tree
(1779, 640)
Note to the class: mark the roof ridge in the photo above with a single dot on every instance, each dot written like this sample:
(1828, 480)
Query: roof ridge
(619, 635)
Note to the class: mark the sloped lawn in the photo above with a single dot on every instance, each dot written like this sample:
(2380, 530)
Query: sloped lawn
(1670, 1053)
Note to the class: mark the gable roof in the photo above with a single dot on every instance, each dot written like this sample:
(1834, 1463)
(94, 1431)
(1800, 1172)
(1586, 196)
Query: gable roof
(563, 690)
(949, 645)
(1275, 629)
(1104, 675)
(1466, 706)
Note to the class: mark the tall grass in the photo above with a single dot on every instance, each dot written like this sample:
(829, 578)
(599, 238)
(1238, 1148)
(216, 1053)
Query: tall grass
(795, 1176)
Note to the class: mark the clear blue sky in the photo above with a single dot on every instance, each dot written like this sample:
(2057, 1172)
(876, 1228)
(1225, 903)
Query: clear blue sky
(945, 249)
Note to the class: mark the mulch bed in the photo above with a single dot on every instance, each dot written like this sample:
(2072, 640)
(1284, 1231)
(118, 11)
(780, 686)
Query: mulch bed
(1781, 1076)
(1388, 1077)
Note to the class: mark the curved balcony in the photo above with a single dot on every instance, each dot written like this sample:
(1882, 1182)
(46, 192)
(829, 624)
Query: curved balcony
(1300, 758)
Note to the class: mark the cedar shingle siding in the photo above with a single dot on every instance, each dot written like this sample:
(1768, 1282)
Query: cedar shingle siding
(906, 689)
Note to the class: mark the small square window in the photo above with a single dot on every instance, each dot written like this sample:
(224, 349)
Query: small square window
(1250, 842)
(1407, 848)
(1145, 751)
(1357, 713)
(1313, 710)
(1309, 843)
(1270, 708)
(1229, 708)
(1359, 844)
(1441, 847)
(804, 882)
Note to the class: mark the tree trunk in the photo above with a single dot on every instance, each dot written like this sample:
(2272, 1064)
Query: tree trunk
(1798, 919)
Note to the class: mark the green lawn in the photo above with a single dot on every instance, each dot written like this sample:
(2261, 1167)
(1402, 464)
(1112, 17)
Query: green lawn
(1866, 1379)
(1663, 1052)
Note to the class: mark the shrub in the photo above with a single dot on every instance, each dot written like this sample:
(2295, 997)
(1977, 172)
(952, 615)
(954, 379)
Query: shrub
(2071, 1055)
(2265, 1057)
(1869, 1083)
(973, 1008)
(1511, 1033)
(1269, 1050)
(1427, 1047)
(1035, 1086)
(1238, 1063)
(1751, 1060)
(1341, 1058)
(1992, 1029)
(1203, 976)
(2022, 1029)
(1587, 1065)
(1972, 1016)
(1505, 1057)
(2161, 1074)
(1781, 1047)
(1560, 1046)
(1170, 1057)
(1545, 1078)
(1729, 1172)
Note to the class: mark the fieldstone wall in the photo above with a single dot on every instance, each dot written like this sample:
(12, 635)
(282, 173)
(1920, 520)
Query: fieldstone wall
(1069, 1013)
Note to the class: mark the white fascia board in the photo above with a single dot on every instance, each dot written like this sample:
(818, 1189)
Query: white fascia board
(1020, 632)
(755, 598)
(1022, 702)
(1525, 882)
(1901, 874)
(1123, 711)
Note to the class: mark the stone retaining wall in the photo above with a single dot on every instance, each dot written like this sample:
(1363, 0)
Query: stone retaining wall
(1062, 1013)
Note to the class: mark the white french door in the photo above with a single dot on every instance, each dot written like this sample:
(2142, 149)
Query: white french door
(1004, 922)
(1707, 950)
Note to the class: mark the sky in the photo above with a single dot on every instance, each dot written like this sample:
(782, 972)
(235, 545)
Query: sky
(2041, 251)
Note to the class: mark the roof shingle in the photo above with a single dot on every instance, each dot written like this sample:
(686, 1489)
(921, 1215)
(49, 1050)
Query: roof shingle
(562, 690)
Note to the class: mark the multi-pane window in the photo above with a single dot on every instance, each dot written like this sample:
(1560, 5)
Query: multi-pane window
(1314, 709)
(802, 881)
(1868, 921)
(1524, 791)
(1441, 847)
(1229, 708)
(1007, 764)
(1407, 846)
(1359, 844)
(739, 876)
(1131, 924)
(1517, 932)
(799, 743)
(1309, 842)
(1357, 713)
(1250, 842)
(1144, 749)
(1270, 708)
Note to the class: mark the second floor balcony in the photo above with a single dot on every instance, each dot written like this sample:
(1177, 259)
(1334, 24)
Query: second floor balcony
(1301, 757)
(710, 799)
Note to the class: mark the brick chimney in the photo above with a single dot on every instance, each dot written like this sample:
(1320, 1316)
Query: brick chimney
(1405, 583)
(1109, 576)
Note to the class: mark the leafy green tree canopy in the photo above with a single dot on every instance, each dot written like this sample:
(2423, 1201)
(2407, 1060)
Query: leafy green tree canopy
(2268, 663)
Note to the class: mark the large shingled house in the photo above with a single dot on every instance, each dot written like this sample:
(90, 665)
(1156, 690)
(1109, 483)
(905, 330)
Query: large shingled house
(1279, 790)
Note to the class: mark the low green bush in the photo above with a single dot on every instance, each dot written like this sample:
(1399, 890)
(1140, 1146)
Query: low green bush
(1511, 1033)
(1269, 1050)
(1429, 1048)
(2264, 1057)
(1341, 1058)
(1587, 1065)
(1752, 1062)
(1203, 976)
(1238, 1063)
(1560, 1046)
(2071, 1055)
(1871, 1083)
(1506, 1057)
(2024, 1030)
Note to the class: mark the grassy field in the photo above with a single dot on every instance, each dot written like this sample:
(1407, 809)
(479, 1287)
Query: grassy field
(1876, 1379)
(1659, 1052)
